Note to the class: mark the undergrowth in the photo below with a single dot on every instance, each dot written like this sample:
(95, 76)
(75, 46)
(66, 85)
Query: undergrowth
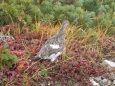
(82, 59)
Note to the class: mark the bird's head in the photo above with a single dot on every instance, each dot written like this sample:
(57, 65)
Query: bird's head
(65, 23)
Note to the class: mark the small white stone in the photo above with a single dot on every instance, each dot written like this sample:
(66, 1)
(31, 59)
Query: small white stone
(54, 46)
(113, 82)
(112, 76)
(109, 83)
(94, 83)
(110, 63)
(5, 37)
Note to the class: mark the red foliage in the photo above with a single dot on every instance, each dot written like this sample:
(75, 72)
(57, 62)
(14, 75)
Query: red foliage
(79, 69)
(23, 46)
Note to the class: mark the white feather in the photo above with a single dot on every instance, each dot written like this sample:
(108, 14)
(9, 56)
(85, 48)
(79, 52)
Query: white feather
(53, 56)
(110, 63)
(54, 46)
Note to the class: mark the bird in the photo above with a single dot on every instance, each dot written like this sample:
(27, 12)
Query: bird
(54, 46)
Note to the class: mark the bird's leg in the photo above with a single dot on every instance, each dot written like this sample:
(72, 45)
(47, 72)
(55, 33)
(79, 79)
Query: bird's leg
(64, 50)
(57, 60)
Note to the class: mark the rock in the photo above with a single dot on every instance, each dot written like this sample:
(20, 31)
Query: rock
(109, 63)
(109, 83)
(98, 78)
(103, 82)
(94, 83)
(112, 76)
(113, 82)
(3, 37)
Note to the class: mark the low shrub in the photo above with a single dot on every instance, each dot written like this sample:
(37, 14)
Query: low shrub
(6, 58)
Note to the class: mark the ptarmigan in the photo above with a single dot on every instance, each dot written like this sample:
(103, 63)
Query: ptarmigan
(54, 46)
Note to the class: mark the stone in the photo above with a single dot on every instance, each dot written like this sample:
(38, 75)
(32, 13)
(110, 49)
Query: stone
(109, 83)
(97, 78)
(112, 76)
(103, 82)
(94, 83)
(4, 37)
(113, 82)
(109, 63)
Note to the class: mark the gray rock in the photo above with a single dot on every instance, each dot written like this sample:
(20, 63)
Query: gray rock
(3, 37)
(109, 63)
(98, 78)
(109, 83)
(113, 82)
(94, 83)
(103, 82)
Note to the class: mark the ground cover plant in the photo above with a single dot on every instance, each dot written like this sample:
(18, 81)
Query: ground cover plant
(80, 62)
(89, 39)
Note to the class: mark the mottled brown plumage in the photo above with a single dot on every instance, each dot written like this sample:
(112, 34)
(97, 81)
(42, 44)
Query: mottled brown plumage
(54, 46)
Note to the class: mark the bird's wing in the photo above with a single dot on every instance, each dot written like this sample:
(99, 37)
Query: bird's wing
(48, 50)
(50, 40)
(53, 39)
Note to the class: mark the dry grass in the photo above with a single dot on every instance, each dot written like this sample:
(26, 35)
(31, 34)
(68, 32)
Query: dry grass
(73, 34)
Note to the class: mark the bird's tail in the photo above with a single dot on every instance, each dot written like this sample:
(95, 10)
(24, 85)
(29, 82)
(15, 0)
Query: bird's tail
(35, 59)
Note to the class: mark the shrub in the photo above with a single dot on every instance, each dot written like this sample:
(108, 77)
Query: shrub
(6, 58)
(81, 12)
(91, 5)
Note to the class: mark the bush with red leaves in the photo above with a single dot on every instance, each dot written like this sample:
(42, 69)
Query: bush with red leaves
(78, 71)
(80, 68)
(22, 46)
(108, 46)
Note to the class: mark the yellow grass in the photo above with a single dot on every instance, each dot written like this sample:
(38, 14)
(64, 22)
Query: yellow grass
(72, 34)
